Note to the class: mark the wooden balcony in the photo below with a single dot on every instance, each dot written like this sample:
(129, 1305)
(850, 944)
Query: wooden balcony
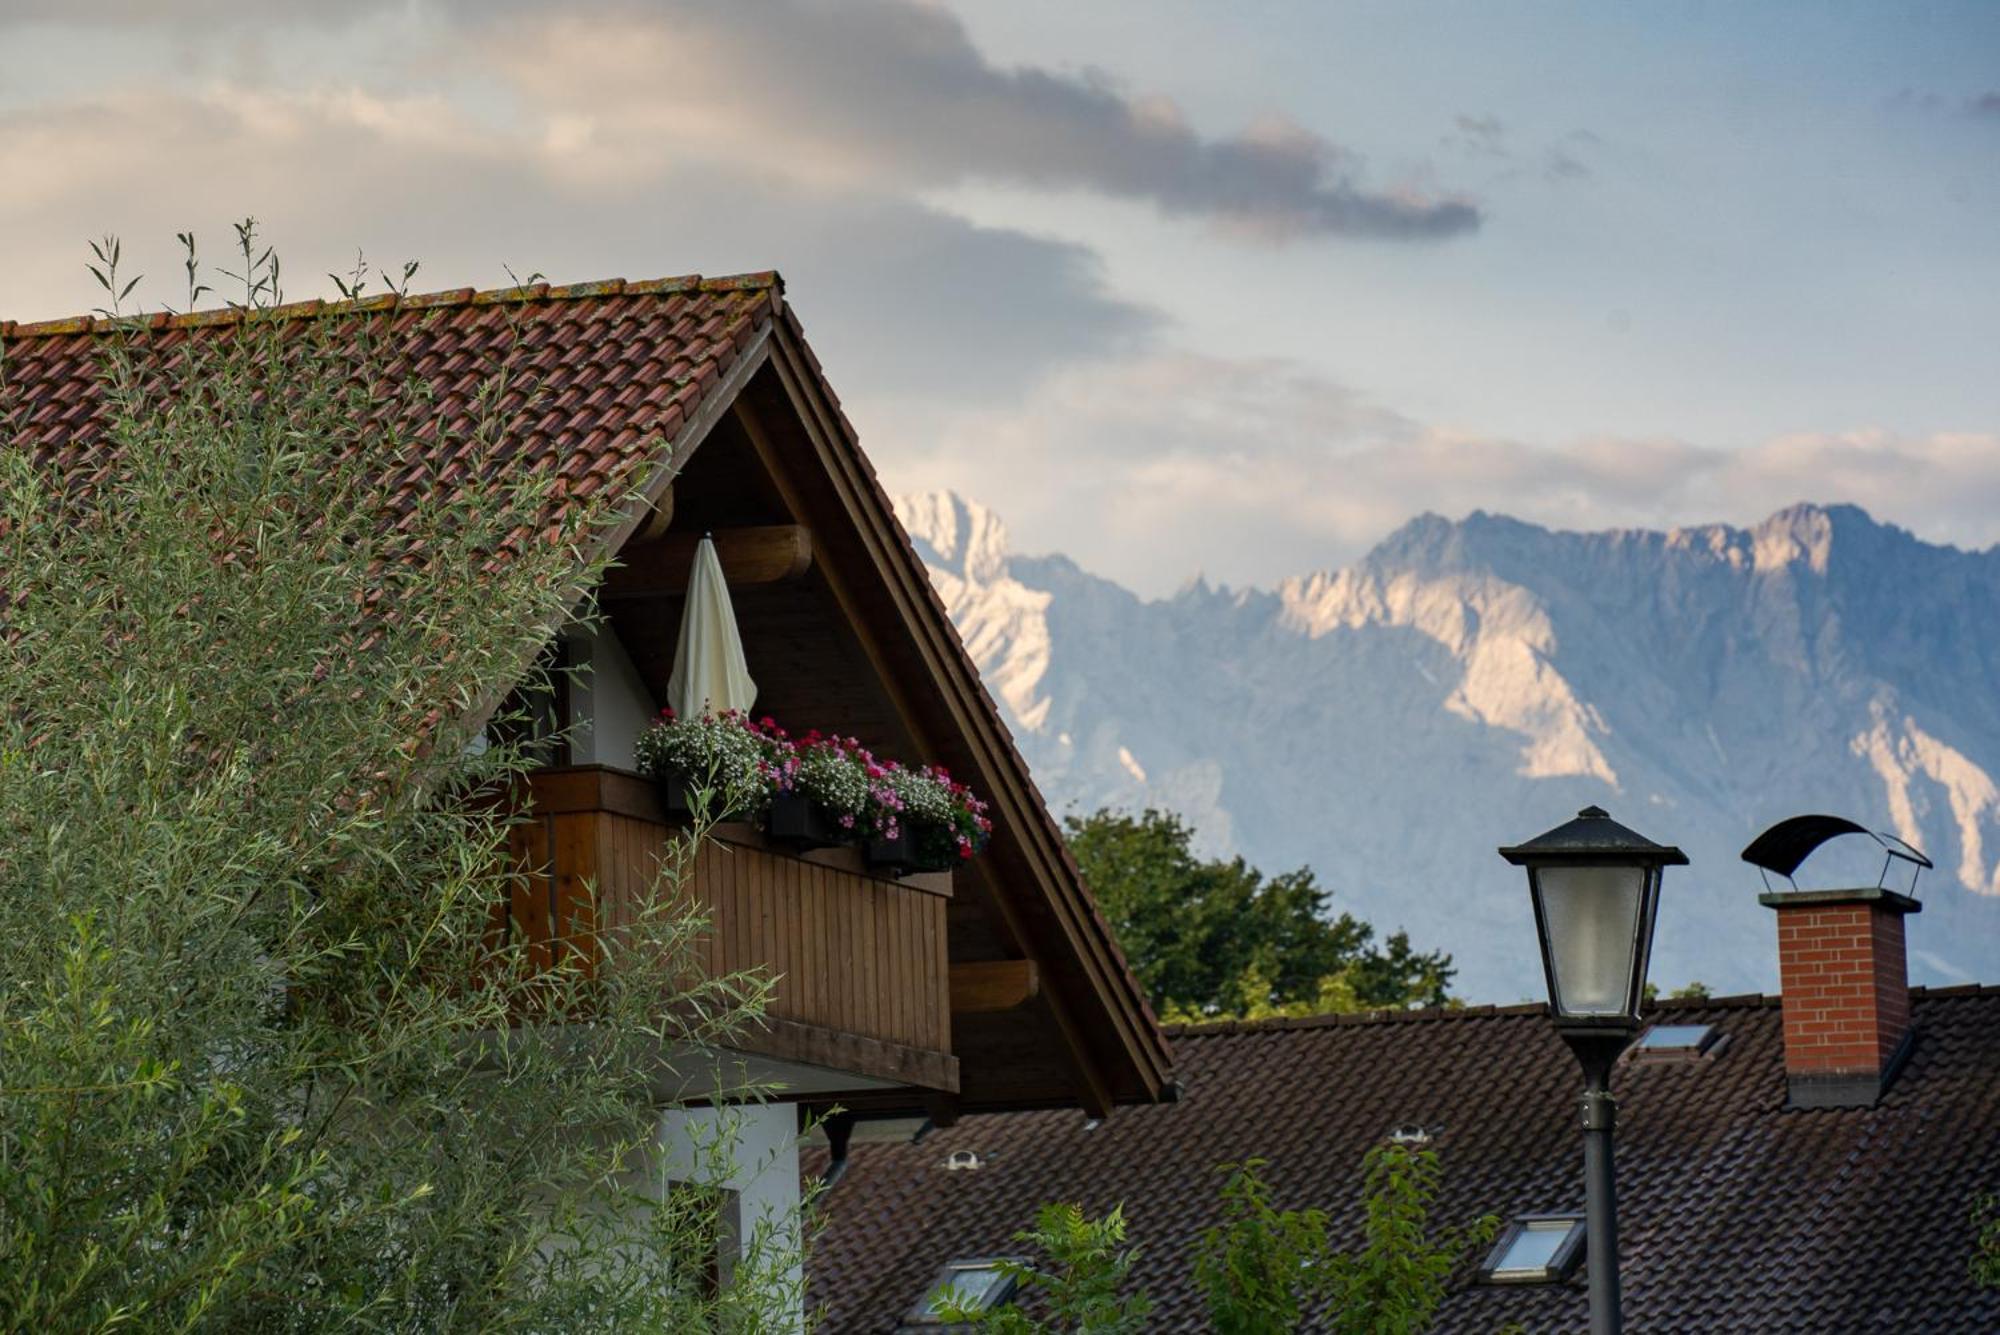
(862, 984)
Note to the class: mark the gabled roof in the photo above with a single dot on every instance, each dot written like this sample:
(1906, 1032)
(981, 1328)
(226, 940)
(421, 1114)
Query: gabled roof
(631, 379)
(1734, 1212)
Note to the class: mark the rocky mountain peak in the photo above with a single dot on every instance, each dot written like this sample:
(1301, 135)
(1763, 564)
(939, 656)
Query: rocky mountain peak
(1703, 683)
(955, 534)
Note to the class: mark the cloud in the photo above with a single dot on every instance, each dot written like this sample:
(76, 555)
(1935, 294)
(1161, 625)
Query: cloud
(904, 301)
(1987, 104)
(874, 92)
(1478, 136)
(895, 92)
(1148, 469)
(1486, 140)
(187, 15)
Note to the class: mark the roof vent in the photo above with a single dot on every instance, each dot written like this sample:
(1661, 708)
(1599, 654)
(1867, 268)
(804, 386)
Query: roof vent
(963, 1161)
(1410, 1134)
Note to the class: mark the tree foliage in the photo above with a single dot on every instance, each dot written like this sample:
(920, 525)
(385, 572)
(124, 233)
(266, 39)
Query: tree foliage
(1393, 1283)
(1081, 1284)
(1260, 1266)
(1212, 938)
(1261, 1270)
(264, 1062)
(1985, 1263)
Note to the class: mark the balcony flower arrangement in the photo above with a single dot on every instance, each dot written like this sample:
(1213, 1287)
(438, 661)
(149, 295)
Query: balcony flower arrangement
(816, 791)
(715, 763)
(939, 822)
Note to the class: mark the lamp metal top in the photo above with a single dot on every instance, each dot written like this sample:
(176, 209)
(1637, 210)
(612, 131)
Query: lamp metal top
(1593, 837)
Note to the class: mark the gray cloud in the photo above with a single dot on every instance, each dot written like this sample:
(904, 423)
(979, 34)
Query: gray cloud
(896, 89)
(1987, 104)
(1478, 136)
(903, 301)
(1486, 140)
(186, 14)
(890, 88)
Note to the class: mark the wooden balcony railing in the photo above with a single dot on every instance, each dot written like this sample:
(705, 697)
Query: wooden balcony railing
(862, 983)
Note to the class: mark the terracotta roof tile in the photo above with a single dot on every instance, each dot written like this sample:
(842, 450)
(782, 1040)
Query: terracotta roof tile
(1736, 1213)
(618, 366)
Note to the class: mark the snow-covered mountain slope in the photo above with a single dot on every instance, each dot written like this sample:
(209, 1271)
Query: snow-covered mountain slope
(1469, 684)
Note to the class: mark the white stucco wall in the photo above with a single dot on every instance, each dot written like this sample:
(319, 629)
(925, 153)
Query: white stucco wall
(751, 1150)
(609, 703)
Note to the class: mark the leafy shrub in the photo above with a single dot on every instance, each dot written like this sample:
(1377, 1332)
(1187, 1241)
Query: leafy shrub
(1081, 1284)
(248, 863)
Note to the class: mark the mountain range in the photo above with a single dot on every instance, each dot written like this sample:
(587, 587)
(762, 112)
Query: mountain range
(1471, 683)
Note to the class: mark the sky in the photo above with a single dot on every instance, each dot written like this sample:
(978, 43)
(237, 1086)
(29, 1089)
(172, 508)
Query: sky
(1176, 288)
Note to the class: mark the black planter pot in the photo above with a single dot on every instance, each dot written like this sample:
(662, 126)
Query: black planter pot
(677, 796)
(797, 820)
(901, 855)
(674, 795)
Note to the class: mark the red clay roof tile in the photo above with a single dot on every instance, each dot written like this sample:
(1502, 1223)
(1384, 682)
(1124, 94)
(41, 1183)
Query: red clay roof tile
(604, 398)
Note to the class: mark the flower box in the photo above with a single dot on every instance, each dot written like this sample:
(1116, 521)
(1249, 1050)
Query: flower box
(900, 855)
(678, 796)
(815, 792)
(797, 820)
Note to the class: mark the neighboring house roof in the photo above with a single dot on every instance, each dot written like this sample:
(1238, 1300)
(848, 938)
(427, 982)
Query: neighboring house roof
(1734, 1213)
(631, 379)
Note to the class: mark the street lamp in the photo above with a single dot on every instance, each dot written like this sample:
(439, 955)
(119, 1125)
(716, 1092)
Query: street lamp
(1596, 890)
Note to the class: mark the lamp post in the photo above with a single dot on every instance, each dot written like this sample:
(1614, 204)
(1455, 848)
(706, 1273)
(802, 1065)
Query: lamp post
(1596, 891)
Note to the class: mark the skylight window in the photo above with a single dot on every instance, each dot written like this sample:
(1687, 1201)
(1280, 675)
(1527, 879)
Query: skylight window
(1535, 1249)
(1676, 1040)
(978, 1286)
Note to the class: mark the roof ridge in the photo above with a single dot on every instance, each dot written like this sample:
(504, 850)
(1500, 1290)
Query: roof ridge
(1435, 1014)
(393, 301)
(1382, 1015)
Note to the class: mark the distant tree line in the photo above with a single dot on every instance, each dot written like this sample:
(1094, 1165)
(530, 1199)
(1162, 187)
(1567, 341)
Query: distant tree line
(1215, 938)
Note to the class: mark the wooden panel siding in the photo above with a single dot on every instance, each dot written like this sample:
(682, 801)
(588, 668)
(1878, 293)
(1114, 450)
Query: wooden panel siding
(858, 958)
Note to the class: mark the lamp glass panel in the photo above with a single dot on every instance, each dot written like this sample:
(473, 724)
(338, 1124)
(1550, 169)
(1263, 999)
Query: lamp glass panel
(1592, 918)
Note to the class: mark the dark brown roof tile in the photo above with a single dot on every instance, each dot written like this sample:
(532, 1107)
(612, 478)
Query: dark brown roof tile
(1736, 1213)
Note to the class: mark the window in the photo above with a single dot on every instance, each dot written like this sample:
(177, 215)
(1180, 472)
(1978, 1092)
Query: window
(978, 1285)
(1670, 1041)
(535, 715)
(1535, 1249)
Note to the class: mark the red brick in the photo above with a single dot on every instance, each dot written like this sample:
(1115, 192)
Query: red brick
(1845, 986)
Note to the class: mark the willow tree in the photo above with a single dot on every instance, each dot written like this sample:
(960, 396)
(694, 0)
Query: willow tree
(266, 1062)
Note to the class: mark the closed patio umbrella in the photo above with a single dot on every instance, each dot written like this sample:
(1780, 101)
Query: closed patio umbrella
(709, 671)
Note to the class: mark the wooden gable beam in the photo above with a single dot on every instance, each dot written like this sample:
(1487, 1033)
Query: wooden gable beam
(767, 554)
(993, 985)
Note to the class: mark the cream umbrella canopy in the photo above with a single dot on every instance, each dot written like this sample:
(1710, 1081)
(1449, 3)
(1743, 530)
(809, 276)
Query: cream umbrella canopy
(709, 671)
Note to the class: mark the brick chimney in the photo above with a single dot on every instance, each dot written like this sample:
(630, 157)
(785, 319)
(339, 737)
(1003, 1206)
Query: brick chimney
(1845, 978)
